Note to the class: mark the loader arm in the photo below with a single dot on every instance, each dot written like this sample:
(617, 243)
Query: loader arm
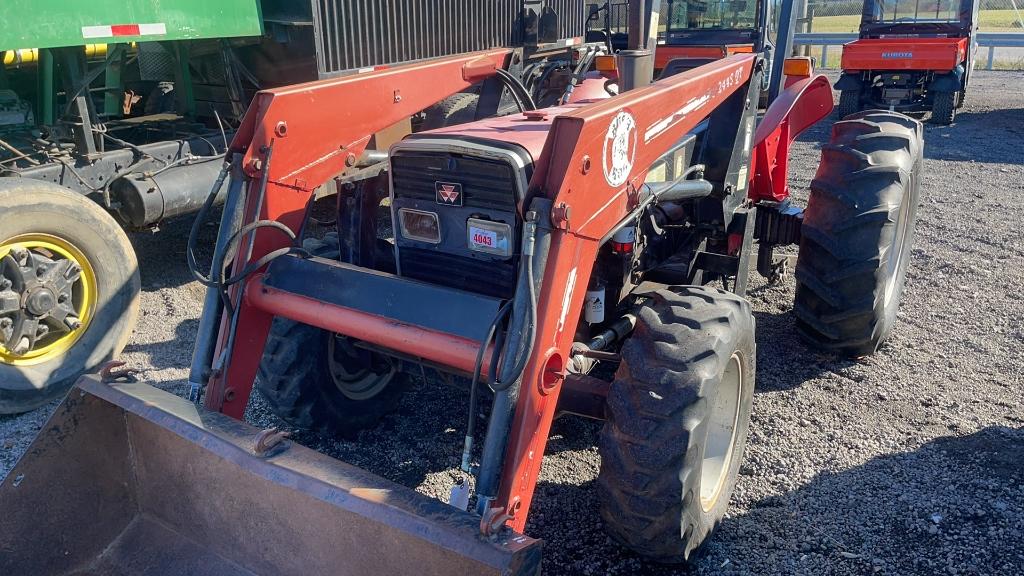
(299, 137)
(577, 172)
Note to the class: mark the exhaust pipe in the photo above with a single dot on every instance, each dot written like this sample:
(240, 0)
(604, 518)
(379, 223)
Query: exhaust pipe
(129, 479)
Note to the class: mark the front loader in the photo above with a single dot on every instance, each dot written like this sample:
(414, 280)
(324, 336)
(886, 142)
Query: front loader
(588, 258)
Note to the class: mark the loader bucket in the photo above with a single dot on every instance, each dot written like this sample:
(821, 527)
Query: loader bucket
(126, 479)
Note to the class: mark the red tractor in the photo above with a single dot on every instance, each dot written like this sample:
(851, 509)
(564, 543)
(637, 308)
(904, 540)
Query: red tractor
(912, 57)
(519, 252)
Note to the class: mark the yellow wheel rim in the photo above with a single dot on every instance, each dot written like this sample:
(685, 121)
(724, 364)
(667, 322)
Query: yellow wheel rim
(83, 296)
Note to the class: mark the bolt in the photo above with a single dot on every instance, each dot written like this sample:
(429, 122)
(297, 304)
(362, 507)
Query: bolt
(72, 322)
(22, 346)
(398, 96)
(256, 164)
(350, 160)
(585, 164)
(281, 129)
(560, 214)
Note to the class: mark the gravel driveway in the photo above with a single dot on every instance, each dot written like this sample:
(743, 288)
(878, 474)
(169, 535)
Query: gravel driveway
(908, 462)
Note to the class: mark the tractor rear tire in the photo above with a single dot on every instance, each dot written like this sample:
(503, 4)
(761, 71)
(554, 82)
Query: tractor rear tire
(58, 228)
(456, 109)
(849, 102)
(316, 380)
(678, 415)
(857, 232)
(944, 105)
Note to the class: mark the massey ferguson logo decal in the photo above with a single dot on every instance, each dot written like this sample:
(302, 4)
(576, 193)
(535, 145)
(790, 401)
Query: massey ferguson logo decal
(448, 193)
(897, 54)
(619, 149)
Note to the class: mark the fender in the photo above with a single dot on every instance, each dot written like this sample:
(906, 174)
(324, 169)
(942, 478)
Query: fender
(799, 106)
(951, 81)
(850, 81)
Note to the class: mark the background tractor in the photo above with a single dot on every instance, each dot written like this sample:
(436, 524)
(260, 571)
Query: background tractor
(589, 257)
(112, 123)
(694, 32)
(912, 56)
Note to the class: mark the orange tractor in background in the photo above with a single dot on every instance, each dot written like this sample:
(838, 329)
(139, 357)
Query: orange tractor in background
(912, 56)
(694, 32)
(518, 253)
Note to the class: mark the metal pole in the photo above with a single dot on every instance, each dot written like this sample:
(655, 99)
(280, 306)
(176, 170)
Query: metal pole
(636, 65)
(805, 25)
(114, 88)
(44, 98)
(783, 50)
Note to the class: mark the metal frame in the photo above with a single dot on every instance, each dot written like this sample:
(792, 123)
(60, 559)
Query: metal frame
(295, 139)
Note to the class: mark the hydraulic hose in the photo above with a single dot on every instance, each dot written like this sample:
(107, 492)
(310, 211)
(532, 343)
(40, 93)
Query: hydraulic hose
(504, 381)
(467, 448)
(519, 92)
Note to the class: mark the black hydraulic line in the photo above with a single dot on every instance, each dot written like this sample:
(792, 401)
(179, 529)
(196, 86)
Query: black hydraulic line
(209, 322)
(519, 92)
(467, 447)
(503, 406)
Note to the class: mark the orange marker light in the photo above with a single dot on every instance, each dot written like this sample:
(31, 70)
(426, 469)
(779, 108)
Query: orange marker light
(798, 66)
(605, 63)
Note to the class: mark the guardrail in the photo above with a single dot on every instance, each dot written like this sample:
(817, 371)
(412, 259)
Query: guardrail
(990, 40)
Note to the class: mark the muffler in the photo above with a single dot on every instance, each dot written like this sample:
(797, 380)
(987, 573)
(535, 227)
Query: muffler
(129, 479)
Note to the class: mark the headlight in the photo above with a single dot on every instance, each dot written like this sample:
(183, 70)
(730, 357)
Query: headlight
(490, 237)
(419, 225)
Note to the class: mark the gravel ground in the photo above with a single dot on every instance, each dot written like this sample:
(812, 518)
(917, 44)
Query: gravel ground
(907, 462)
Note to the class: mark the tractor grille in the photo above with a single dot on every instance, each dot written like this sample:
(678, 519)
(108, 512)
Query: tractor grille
(489, 277)
(353, 34)
(486, 183)
(492, 186)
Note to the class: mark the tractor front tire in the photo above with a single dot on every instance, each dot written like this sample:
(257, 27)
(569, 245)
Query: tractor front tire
(678, 415)
(316, 380)
(849, 102)
(857, 232)
(944, 105)
(68, 271)
(456, 109)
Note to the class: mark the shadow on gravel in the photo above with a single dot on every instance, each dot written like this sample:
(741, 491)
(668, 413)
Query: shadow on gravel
(784, 361)
(991, 136)
(952, 506)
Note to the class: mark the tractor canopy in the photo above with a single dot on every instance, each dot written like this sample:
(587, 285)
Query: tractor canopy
(724, 22)
(943, 18)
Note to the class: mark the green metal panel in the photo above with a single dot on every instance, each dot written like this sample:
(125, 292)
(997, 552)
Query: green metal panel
(55, 23)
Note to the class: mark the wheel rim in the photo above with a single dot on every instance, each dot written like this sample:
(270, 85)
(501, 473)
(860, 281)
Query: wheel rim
(48, 291)
(723, 422)
(353, 376)
(899, 241)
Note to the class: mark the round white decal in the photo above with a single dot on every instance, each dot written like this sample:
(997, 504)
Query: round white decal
(619, 149)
